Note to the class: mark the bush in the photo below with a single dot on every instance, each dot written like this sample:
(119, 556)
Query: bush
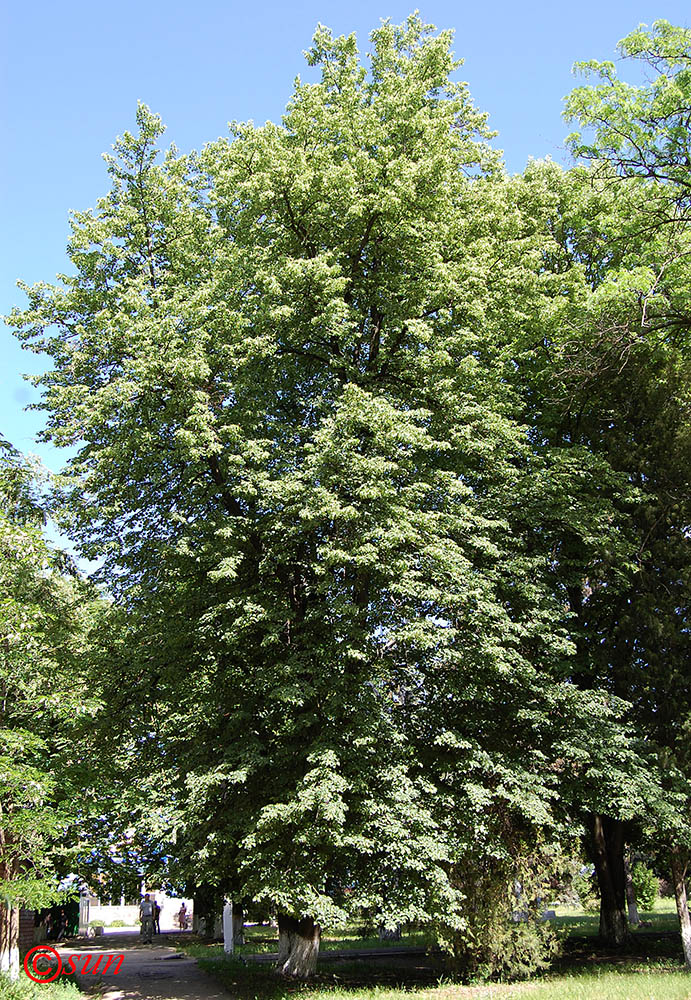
(118, 923)
(646, 884)
(507, 950)
(504, 936)
(97, 923)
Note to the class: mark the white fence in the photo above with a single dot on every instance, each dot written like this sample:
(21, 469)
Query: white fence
(170, 908)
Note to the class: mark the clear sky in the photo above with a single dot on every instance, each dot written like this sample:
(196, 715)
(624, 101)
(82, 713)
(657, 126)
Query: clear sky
(74, 70)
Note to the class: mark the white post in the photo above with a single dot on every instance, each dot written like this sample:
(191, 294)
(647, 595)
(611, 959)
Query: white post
(228, 944)
(83, 913)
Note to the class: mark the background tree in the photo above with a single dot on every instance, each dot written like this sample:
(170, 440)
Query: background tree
(642, 133)
(45, 617)
(605, 369)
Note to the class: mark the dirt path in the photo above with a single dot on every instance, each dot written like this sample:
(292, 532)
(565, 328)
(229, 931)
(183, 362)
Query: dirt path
(147, 972)
(337, 954)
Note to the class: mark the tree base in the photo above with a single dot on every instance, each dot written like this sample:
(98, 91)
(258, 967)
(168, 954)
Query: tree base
(298, 946)
(679, 869)
(9, 942)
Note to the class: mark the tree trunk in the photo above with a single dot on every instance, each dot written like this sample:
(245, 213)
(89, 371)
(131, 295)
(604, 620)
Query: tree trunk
(631, 903)
(389, 933)
(205, 906)
(608, 853)
(238, 924)
(298, 946)
(9, 941)
(679, 870)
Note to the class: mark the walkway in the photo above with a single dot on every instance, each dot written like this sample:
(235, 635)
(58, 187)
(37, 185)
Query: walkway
(148, 972)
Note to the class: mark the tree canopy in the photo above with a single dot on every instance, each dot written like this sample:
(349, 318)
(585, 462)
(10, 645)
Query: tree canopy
(385, 455)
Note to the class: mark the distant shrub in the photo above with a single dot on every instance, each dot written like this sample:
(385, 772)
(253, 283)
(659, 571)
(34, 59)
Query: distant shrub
(646, 884)
(584, 883)
(97, 923)
(567, 896)
(118, 923)
(666, 888)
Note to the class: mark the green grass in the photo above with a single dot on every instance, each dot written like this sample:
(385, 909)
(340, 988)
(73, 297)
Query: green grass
(344, 978)
(572, 921)
(348, 939)
(649, 969)
(362, 981)
(629, 982)
(264, 939)
(579, 923)
(24, 989)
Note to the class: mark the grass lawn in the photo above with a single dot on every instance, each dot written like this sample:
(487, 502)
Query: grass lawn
(650, 969)
(607, 983)
(263, 939)
(572, 921)
(362, 981)
(578, 922)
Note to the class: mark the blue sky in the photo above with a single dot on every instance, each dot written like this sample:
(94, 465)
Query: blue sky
(73, 72)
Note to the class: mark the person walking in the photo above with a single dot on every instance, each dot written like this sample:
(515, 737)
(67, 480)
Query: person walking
(157, 917)
(146, 918)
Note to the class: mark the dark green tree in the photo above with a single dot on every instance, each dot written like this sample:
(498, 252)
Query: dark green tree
(641, 134)
(603, 367)
(46, 617)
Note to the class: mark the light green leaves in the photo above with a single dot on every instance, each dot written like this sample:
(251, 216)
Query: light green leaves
(641, 131)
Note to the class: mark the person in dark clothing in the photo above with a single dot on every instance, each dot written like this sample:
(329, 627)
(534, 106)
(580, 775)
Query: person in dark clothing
(157, 917)
(62, 926)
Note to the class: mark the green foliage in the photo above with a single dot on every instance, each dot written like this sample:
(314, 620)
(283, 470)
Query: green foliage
(386, 457)
(646, 884)
(504, 936)
(45, 617)
(323, 454)
(640, 131)
(502, 949)
(640, 134)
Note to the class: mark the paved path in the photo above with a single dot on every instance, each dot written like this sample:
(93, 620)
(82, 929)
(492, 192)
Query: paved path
(148, 972)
